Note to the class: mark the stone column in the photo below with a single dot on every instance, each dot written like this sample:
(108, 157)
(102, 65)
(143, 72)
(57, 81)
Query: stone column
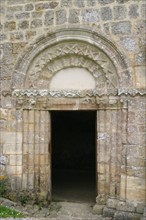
(36, 152)
(108, 153)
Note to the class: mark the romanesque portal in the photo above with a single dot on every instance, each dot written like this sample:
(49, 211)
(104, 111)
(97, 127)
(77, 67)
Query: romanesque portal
(74, 70)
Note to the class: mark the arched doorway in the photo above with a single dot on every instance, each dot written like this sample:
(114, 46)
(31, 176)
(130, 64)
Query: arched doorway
(98, 63)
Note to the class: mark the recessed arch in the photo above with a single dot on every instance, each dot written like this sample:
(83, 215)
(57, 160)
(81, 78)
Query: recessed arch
(72, 78)
(98, 49)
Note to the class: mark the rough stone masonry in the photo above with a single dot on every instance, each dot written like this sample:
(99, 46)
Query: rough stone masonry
(42, 38)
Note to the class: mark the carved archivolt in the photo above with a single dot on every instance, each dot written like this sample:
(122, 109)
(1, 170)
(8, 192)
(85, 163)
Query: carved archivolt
(73, 54)
(70, 48)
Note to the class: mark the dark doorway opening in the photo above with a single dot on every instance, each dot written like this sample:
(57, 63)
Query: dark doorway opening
(73, 156)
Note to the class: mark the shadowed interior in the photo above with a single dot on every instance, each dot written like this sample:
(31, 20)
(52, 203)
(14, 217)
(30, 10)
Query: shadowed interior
(73, 156)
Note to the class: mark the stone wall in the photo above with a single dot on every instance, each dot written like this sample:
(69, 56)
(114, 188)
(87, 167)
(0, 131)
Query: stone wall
(23, 23)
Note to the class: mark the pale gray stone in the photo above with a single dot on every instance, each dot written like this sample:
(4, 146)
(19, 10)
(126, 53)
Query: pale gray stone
(140, 58)
(120, 12)
(133, 11)
(49, 17)
(91, 15)
(74, 16)
(103, 2)
(66, 3)
(53, 4)
(106, 13)
(24, 15)
(61, 16)
(123, 27)
(36, 23)
(79, 3)
(29, 7)
(143, 11)
(129, 43)
(122, 1)
(91, 2)
(23, 24)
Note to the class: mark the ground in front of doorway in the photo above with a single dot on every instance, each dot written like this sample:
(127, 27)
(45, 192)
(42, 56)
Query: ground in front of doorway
(56, 211)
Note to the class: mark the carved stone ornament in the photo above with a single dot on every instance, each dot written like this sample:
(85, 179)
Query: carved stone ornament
(66, 48)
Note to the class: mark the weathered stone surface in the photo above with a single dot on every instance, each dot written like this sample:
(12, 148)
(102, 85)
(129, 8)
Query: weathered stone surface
(129, 43)
(74, 16)
(123, 27)
(24, 15)
(122, 1)
(79, 3)
(91, 15)
(113, 54)
(103, 2)
(140, 58)
(120, 12)
(66, 3)
(61, 16)
(29, 7)
(91, 2)
(10, 26)
(133, 11)
(143, 11)
(108, 212)
(49, 18)
(106, 14)
(36, 23)
(23, 25)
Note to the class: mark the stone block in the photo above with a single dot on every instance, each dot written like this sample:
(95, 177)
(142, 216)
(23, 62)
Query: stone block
(10, 26)
(3, 37)
(128, 43)
(140, 208)
(73, 16)
(36, 23)
(122, 1)
(15, 160)
(53, 4)
(120, 12)
(98, 209)
(91, 2)
(49, 18)
(143, 10)
(126, 207)
(24, 15)
(140, 58)
(14, 9)
(37, 14)
(41, 6)
(66, 3)
(15, 36)
(140, 76)
(126, 216)
(133, 11)
(106, 13)
(79, 3)
(23, 25)
(61, 16)
(112, 203)
(13, 170)
(107, 212)
(30, 34)
(104, 2)
(123, 27)
(140, 27)
(29, 7)
(90, 15)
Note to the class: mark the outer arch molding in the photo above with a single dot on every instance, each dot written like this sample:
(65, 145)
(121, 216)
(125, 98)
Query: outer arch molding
(76, 34)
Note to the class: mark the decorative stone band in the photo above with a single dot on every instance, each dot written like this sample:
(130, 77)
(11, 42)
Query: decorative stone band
(131, 92)
(73, 93)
